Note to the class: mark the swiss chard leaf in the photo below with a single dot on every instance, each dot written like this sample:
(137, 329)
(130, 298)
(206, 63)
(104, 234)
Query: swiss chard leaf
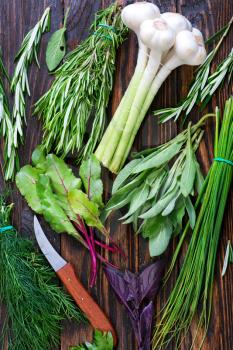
(90, 173)
(86, 209)
(61, 176)
(26, 181)
(52, 211)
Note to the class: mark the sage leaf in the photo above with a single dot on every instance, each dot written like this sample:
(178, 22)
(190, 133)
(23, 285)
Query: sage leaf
(61, 176)
(189, 171)
(199, 179)
(151, 227)
(90, 173)
(137, 200)
(52, 211)
(124, 174)
(159, 243)
(56, 47)
(191, 211)
(26, 181)
(160, 158)
(170, 207)
(161, 204)
(86, 209)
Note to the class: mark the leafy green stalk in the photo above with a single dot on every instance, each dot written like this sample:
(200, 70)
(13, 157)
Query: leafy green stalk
(201, 81)
(194, 286)
(82, 88)
(35, 304)
(157, 194)
(20, 87)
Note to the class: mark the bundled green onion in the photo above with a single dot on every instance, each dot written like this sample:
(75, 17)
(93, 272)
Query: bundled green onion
(82, 87)
(194, 287)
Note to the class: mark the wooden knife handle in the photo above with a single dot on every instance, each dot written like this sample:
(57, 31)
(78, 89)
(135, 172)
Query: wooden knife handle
(83, 299)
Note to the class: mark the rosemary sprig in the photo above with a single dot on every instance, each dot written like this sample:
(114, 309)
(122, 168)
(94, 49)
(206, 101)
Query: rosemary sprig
(201, 82)
(82, 88)
(6, 130)
(194, 286)
(20, 87)
(35, 303)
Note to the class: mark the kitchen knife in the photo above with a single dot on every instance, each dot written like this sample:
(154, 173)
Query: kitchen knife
(66, 273)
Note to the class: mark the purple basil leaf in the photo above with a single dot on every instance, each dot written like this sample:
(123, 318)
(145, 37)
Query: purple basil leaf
(119, 285)
(150, 280)
(146, 319)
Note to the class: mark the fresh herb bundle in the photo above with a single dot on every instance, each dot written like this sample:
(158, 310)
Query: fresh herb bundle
(82, 88)
(194, 286)
(35, 304)
(158, 195)
(51, 189)
(202, 81)
(102, 341)
(137, 292)
(20, 87)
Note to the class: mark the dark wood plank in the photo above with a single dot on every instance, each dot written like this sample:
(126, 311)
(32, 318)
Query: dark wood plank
(16, 18)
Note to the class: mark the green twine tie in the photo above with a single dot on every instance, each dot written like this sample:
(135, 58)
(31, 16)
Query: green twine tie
(6, 228)
(227, 161)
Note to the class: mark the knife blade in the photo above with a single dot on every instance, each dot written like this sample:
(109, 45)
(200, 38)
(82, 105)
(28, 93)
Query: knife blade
(66, 273)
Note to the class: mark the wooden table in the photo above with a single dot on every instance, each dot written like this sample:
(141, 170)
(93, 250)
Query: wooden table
(17, 17)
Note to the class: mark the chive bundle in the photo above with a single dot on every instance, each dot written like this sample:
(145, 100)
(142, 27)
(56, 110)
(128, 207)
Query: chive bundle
(194, 286)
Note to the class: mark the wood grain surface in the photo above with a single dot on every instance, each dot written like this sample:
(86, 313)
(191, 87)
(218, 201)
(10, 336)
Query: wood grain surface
(17, 17)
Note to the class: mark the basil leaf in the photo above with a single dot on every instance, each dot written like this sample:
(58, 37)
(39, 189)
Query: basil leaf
(61, 176)
(160, 158)
(151, 227)
(26, 181)
(189, 171)
(56, 49)
(159, 243)
(87, 209)
(191, 211)
(90, 173)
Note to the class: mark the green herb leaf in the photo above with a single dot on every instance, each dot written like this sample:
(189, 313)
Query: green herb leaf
(61, 176)
(199, 179)
(189, 171)
(56, 49)
(87, 209)
(38, 158)
(228, 257)
(124, 174)
(191, 211)
(160, 158)
(26, 181)
(159, 243)
(52, 211)
(137, 200)
(90, 173)
(102, 341)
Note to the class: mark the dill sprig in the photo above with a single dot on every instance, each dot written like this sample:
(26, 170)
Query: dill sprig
(193, 289)
(200, 83)
(20, 87)
(82, 88)
(34, 302)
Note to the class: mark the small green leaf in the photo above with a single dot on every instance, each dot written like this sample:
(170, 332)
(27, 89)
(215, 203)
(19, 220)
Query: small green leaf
(228, 257)
(102, 341)
(159, 243)
(199, 179)
(38, 158)
(87, 209)
(90, 173)
(191, 211)
(26, 181)
(189, 171)
(160, 158)
(151, 227)
(56, 49)
(137, 200)
(124, 174)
